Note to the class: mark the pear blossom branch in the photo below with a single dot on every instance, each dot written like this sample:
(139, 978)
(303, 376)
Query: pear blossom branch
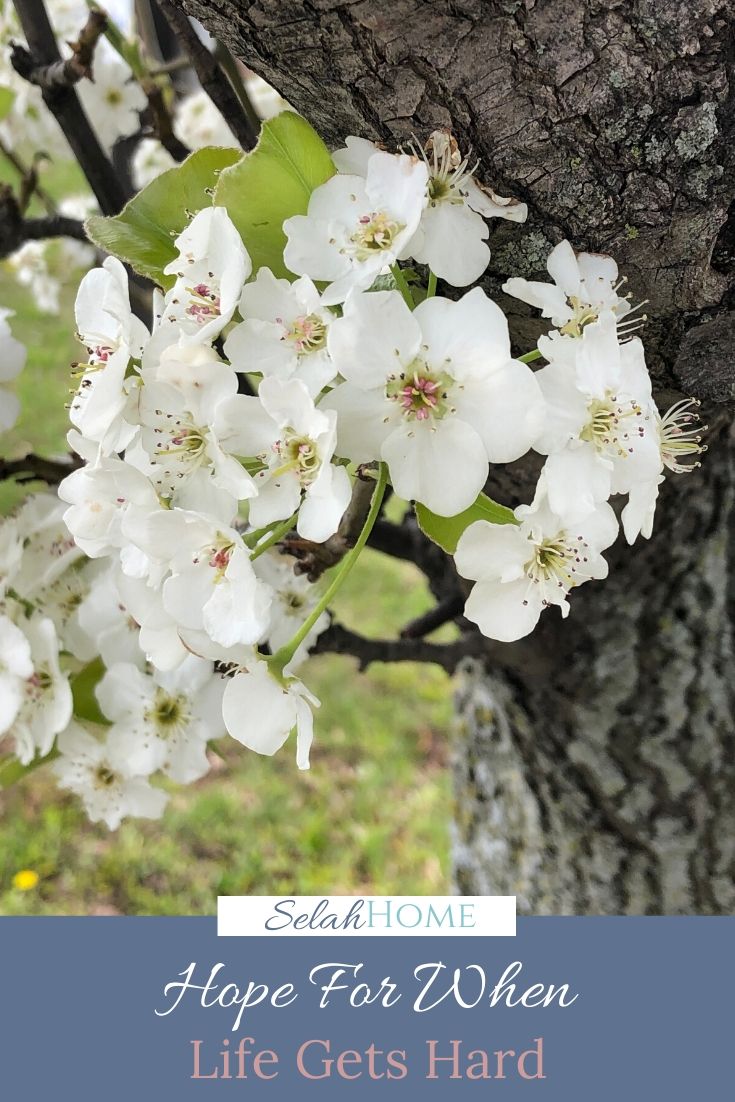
(62, 73)
(61, 99)
(211, 76)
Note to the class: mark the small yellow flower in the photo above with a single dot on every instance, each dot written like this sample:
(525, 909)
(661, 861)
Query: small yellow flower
(25, 880)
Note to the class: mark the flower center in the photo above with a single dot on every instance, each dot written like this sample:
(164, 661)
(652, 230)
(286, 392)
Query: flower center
(38, 683)
(299, 454)
(680, 436)
(557, 565)
(217, 555)
(613, 425)
(204, 302)
(582, 314)
(307, 334)
(448, 169)
(420, 392)
(168, 714)
(375, 233)
(104, 776)
(183, 441)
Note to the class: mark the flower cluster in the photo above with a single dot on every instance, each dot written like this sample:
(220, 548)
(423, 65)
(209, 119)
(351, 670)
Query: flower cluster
(250, 415)
(603, 436)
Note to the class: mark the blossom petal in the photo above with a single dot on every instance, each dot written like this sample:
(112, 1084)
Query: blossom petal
(505, 611)
(469, 337)
(488, 551)
(377, 336)
(506, 409)
(257, 711)
(444, 466)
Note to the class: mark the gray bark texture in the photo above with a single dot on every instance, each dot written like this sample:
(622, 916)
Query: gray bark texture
(594, 762)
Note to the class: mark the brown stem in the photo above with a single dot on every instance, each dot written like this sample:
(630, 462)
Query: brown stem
(28, 178)
(211, 77)
(162, 122)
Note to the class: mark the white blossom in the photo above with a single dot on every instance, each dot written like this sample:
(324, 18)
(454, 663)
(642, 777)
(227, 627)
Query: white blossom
(184, 444)
(294, 598)
(210, 270)
(114, 101)
(112, 335)
(211, 585)
(46, 704)
(283, 332)
(198, 123)
(600, 432)
(585, 285)
(97, 770)
(522, 569)
(294, 442)
(149, 161)
(451, 237)
(354, 228)
(435, 393)
(165, 719)
(261, 713)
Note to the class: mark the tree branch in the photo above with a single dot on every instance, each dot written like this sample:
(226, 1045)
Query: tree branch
(211, 77)
(162, 121)
(338, 639)
(15, 230)
(63, 73)
(35, 468)
(61, 100)
(442, 613)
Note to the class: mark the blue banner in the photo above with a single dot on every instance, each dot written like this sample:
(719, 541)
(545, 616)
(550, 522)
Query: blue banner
(573, 1009)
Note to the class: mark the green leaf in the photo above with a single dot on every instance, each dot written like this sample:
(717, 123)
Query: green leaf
(83, 685)
(446, 530)
(272, 183)
(7, 99)
(143, 232)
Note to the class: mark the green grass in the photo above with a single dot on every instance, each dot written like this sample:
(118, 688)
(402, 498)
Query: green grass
(370, 816)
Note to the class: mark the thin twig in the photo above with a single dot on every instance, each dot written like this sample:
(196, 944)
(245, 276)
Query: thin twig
(211, 77)
(162, 121)
(28, 177)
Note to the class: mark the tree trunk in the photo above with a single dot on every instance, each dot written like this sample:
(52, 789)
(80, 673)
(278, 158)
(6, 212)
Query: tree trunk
(595, 765)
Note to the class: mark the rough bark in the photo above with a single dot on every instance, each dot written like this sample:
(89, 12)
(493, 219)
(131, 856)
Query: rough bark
(595, 771)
